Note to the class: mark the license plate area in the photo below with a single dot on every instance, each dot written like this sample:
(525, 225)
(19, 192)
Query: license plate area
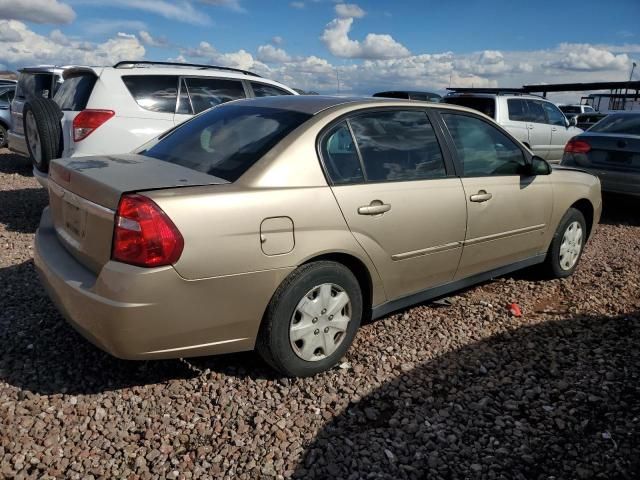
(75, 219)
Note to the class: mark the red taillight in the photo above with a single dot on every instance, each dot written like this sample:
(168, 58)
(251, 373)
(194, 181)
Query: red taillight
(577, 146)
(144, 235)
(87, 121)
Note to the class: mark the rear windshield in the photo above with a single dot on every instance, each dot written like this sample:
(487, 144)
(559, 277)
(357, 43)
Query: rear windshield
(626, 124)
(227, 140)
(569, 109)
(32, 85)
(482, 104)
(74, 93)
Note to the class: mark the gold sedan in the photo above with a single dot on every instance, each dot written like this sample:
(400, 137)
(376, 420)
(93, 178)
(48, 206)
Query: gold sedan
(280, 223)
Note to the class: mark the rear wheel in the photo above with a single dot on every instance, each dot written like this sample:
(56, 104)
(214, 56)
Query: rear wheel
(567, 244)
(42, 131)
(311, 320)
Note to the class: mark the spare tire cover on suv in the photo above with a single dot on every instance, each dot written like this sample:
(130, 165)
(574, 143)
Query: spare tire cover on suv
(42, 131)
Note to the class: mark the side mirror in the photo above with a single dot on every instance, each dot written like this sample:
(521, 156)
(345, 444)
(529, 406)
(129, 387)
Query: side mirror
(539, 166)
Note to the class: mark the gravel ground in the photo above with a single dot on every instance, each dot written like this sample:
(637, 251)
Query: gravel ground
(460, 391)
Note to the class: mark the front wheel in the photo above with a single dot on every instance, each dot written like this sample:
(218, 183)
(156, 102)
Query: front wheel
(567, 245)
(311, 320)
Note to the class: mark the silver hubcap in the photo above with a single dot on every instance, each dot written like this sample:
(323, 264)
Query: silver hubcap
(33, 137)
(571, 246)
(319, 322)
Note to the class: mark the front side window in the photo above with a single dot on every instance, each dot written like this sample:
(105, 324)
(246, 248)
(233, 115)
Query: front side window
(517, 109)
(482, 149)
(226, 141)
(536, 112)
(554, 115)
(156, 93)
(208, 92)
(264, 90)
(398, 145)
(341, 157)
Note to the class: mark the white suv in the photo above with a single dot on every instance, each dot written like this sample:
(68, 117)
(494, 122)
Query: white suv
(108, 110)
(535, 121)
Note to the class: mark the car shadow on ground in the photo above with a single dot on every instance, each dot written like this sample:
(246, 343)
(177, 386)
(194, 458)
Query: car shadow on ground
(555, 400)
(620, 210)
(11, 163)
(20, 210)
(41, 353)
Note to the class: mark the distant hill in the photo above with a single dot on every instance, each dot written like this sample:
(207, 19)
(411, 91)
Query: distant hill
(8, 75)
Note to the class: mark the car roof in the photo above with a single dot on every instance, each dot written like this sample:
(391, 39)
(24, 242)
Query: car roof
(313, 104)
(493, 95)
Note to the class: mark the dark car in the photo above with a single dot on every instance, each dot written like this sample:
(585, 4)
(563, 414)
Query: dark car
(410, 95)
(587, 120)
(611, 150)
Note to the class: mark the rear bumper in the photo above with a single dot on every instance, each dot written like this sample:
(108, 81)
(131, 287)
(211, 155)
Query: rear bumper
(17, 143)
(138, 313)
(627, 183)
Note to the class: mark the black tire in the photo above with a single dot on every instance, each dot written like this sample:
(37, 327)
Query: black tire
(552, 263)
(46, 115)
(3, 136)
(273, 343)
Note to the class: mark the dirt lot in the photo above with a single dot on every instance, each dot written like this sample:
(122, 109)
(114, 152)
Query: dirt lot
(461, 391)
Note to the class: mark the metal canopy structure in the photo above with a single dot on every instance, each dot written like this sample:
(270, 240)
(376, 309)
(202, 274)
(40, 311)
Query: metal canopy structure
(581, 87)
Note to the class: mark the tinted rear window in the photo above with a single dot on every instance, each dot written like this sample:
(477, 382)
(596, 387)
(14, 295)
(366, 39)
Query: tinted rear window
(626, 124)
(157, 93)
(32, 85)
(264, 90)
(484, 105)
(74, 93)
(227, 140)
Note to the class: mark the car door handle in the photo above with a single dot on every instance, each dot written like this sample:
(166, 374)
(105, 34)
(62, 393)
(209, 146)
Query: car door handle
(374, 208)
(554, 129)
(530, 127)
(481, 196)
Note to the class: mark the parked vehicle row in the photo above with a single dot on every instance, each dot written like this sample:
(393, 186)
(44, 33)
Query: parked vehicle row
(7, 92)
(104, 110)
(536, 122)
(280, 223)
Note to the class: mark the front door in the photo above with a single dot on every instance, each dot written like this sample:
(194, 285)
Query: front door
(561, 132)
(508, 212)
(401, 201)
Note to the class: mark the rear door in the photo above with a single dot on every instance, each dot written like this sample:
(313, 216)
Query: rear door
(515, 119)
(539, 129)
(508, 212)
(197, 94)
(399, 196)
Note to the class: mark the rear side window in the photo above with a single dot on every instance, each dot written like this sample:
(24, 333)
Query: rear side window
(156, 93)
(397, 145)
(570, 109)
(482, 149)
(341, 157)
(7, 96)
(264, 90)
(517, 109)
(228, 140)
(536, 112)
(74, 93)
(481, 104)
(208, 92)
(33, 85)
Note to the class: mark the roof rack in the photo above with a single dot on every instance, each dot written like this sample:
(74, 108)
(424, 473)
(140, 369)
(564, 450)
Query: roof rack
(135, 63)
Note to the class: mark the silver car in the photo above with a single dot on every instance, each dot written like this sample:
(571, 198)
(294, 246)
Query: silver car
(6, 95)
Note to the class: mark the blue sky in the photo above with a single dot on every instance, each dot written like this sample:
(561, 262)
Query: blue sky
(371, 44)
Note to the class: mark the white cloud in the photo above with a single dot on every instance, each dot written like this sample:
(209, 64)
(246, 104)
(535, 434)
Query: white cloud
(98, 26)
(583, 57)
(271, 54)
(297, 5)
(8, 33)
(37, 11)
(178, 10)
(207, 52)
(349, 10)
(147, 39)
(374, 46)
(34, 48)
(277, 40)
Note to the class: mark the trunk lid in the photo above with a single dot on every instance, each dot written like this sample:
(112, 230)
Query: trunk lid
(84, 193)
(616, 152)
